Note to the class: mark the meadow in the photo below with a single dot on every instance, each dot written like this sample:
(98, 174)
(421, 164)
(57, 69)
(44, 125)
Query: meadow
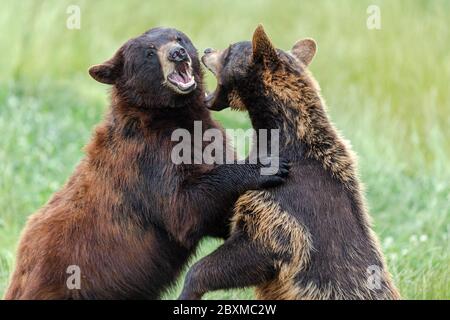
(387, 91)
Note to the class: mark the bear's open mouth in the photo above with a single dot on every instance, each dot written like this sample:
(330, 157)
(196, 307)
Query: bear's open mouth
(209, 100)
(182, 77)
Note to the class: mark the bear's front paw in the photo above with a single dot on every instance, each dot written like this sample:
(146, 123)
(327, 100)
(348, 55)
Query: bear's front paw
(274, 173)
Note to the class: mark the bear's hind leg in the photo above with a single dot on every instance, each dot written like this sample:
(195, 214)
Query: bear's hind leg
(239, 262)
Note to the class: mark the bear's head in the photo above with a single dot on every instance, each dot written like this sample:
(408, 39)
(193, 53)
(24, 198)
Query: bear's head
(160, 68)
(255, 66)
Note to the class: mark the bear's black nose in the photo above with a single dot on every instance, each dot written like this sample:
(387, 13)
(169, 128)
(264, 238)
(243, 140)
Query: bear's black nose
(178, 54)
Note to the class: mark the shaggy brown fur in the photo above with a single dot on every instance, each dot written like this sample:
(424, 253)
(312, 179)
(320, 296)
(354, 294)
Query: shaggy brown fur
(310, 238)
(128, 217)
(263, 220)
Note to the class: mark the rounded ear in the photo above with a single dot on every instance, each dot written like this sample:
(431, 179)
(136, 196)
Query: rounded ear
(304, 50)
(263, 49)
(109, 71)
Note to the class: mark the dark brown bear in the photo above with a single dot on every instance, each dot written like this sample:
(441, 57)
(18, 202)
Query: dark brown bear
(310, 238)
(129, 218)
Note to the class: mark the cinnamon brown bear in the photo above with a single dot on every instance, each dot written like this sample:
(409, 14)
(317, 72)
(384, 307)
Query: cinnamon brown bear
(129, 218)
(311, 237)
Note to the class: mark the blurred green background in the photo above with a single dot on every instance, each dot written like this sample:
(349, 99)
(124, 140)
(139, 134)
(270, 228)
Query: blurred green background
(387, 90)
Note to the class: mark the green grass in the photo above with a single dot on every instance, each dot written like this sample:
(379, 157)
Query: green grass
(387, 91)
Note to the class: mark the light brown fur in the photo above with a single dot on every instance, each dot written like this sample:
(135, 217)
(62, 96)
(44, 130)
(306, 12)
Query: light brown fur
(262, 219)
(312, 237)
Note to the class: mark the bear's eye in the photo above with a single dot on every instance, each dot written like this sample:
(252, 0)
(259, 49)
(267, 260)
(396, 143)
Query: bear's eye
(150, 52)
(179, 39)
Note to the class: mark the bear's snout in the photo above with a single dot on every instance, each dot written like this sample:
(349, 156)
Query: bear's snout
(178, 54)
